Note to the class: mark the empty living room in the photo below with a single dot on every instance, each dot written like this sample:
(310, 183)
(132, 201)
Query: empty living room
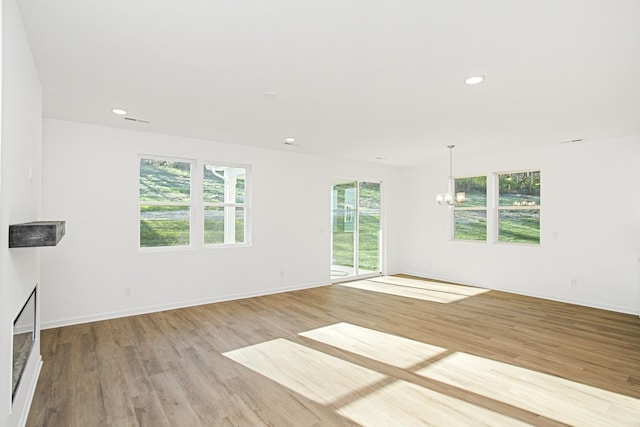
(340, 213)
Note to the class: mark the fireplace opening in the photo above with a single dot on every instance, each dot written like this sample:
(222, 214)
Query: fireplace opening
(24, 334)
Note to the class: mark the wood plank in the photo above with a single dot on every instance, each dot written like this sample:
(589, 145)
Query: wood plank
(347, 355)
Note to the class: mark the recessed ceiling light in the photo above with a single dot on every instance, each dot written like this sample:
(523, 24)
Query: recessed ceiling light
(474, 80)
(118, 111)
(289, 140)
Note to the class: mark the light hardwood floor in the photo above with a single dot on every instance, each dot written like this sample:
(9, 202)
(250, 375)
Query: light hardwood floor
(391, 351)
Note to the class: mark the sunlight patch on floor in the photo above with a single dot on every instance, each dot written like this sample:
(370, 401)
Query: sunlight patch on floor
(406, 404)
(311, 373)
(387, 348)
(360, 394)
(553, 397)
(369, 397)
(421, 289)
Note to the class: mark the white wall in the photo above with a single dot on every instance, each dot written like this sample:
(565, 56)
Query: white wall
(590, 197)
(91, 181)
(19, 201)
(91, 176)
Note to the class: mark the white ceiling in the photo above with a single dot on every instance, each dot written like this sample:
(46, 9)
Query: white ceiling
(348, 78)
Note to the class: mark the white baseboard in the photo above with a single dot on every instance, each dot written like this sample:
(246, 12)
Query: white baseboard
(352, 278)
(542, 295)
(172, 306)
(223, 298)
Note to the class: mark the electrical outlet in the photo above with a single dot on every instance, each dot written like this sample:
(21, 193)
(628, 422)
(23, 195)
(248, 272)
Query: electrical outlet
(127, 292)
(574, 282)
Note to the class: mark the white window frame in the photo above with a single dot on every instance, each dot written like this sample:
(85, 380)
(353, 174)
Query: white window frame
(228, 225)
(470, 208)
(197, 205)
(513, 208)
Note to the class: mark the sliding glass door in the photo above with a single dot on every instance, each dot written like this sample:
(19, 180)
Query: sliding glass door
(355, 226)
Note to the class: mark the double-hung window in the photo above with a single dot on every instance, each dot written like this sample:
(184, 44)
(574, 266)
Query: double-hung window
(519, 207)
(224, 204)
(470, 217)
(179, 207)
(165, 188)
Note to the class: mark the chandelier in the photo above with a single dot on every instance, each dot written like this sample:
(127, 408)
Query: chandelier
(447, 198)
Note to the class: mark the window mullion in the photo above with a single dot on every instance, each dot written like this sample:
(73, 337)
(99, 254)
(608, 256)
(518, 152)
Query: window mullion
(197, 216)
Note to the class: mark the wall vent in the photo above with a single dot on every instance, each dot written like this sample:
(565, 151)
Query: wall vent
(132, 119)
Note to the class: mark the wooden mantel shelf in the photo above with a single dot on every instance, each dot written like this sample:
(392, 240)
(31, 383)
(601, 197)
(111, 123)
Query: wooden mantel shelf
(37, 233)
